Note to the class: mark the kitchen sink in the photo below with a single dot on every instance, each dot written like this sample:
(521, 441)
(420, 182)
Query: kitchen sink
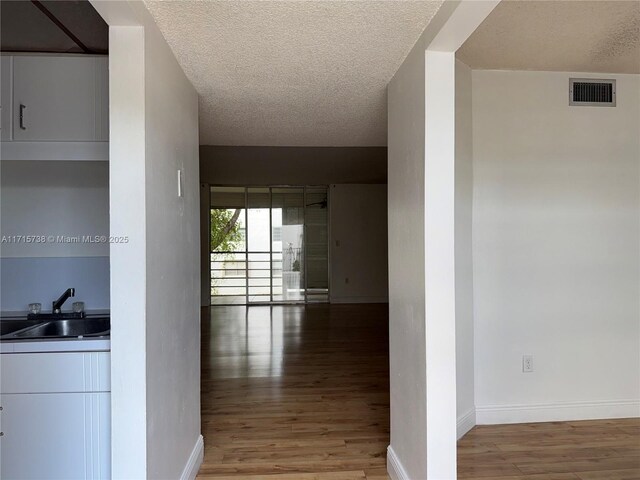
(85, 327)
(13, 325)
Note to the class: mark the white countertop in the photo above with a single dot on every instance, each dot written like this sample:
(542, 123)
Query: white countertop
(57, 345)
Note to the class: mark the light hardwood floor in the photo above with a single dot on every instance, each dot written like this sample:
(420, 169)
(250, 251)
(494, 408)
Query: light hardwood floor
(298, 392)
(295, 393)
(586, 450)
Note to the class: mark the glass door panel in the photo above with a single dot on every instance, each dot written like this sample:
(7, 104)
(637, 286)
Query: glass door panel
(287, 234)
(227, 246)
(258, 245)
(316, 244)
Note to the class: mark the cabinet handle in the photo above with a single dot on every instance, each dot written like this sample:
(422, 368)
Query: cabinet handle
(22, 123)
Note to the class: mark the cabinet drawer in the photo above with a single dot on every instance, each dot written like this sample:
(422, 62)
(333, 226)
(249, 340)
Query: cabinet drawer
(55, 372)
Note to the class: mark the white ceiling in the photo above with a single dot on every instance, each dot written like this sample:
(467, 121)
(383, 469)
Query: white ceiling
(297, 73)
(578, 36)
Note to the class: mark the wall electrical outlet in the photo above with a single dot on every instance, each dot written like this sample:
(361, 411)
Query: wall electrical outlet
(527, 363)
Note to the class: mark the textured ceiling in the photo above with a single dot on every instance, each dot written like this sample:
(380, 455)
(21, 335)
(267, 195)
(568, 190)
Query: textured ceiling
(24, 28)
(579, 36)
(298, 73)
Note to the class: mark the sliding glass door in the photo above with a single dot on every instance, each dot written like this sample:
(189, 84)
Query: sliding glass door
(269, 245)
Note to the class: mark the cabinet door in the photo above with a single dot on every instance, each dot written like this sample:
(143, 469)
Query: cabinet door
(58, 98)
(55, 436)
(6, 79)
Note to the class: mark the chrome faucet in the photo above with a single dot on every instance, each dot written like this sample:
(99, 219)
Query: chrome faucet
(57, 305)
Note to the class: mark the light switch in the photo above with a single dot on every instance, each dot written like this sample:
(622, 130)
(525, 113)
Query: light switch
(180, 183)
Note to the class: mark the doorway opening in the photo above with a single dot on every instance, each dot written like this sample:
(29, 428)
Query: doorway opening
(268, 245)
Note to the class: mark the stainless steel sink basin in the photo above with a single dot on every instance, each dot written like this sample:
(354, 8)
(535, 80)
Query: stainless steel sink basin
(8, 326)
(85, 327)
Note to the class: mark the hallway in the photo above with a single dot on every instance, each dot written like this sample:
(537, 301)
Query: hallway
(296, 392)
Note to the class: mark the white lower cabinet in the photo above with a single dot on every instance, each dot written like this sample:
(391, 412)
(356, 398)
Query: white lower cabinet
(56, 434)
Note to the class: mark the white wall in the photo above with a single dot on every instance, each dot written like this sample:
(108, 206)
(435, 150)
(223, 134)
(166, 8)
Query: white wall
(128, 263)
(406, 266)
(155, 336)
(440, 288)
(54, 198)
(463, 250)
(43, 279)
(555, 249)
(422, 289)
(358, 243)
(173, 262)
(48, 199)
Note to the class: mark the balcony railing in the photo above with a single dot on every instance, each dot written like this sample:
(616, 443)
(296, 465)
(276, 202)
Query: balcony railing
(259, 276)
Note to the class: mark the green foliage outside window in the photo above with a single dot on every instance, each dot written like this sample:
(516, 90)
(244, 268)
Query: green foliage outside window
(226, 234)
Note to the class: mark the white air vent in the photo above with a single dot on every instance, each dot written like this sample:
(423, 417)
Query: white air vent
(592, 92)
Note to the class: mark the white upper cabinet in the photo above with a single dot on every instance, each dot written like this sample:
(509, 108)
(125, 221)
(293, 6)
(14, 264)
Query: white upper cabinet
(6, 79)
(59, 98)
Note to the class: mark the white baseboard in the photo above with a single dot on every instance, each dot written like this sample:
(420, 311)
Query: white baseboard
(394, 468)
(465, 423)
(359, 299)
(195, 460)
(556, 412)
